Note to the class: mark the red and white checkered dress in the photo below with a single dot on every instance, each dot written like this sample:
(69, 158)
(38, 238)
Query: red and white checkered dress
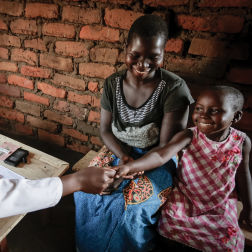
(201, 210)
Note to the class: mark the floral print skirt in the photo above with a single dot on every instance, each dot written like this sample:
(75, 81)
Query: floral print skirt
(126, 219)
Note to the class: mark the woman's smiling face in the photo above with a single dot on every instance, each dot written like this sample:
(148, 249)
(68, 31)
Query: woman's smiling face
(144, 56)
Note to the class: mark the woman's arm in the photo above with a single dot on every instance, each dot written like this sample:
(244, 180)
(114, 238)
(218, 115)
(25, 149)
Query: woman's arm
(108, 137)
(157, 157)
(244, 184)
(172, 123)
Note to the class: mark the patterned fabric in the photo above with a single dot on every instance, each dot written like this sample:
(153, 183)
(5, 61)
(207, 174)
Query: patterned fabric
(136, 115)
(201, 210)
(104, 158)
(124, 220)
(140, 137)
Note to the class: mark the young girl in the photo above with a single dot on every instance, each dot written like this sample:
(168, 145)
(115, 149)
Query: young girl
(201, 210)
(142, 107)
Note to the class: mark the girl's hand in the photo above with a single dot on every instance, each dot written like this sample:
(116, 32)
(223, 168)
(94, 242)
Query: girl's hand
(124, 160)
(246, 216)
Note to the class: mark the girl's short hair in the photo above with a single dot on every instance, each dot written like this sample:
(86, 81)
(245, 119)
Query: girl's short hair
(148, 26)
(235, 96)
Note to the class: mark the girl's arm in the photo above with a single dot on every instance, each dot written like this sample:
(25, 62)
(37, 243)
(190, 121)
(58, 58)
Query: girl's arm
(243, 179)
(157, 157)
(172, 123)
(108, 137)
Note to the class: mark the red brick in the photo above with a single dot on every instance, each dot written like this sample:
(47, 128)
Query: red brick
(241, 75)
(121, 1)
(245, 123)
(11, 8)
(34, 10)
(22, 26)
(107, 55)
(51, 138)
(4, 53)
(68, 81)
(225, 3)
(79, 112)
(28, 108)
(37, 44)
(62, 106)
(24, 129)
(8, 66)
(12, 115)
(94, 116)
(6, 102)
(58, 63)
(3, 26)
(75, 134)
(41, 124)
(84, 99)
(24, 56)
(3, 78)
(222, 23)
(96, 141)
(174, 45)
(219, 49)
(9, 90)
(20, 81)
(36, 72)
(8, 40)
(36, 98)
(53, 116)
(120, 18)
(165, 3)
(121, 57)
(93, 86)
(98, 32)
(58, 30)
(78, 147)
(96, 70)
(70, 48)
(50, 90)
(81, 15)
(205, 67)
(4, 124)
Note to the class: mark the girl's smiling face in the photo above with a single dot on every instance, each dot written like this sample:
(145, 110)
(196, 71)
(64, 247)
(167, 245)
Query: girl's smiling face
(213, 114)
(144, 56)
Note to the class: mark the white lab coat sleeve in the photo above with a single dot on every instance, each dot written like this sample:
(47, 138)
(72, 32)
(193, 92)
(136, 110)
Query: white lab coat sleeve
(19, 196)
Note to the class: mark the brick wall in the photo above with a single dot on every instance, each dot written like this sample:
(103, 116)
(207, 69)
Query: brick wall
(54, 56)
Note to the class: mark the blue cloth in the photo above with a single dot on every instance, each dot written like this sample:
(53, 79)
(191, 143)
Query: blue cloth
(107, 223)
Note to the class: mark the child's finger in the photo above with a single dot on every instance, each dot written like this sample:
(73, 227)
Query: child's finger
(128, 177)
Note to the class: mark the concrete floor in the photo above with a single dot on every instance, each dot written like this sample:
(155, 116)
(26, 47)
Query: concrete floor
(52, 230)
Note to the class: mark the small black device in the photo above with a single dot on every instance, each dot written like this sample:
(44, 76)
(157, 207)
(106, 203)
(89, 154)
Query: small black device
(16, 157)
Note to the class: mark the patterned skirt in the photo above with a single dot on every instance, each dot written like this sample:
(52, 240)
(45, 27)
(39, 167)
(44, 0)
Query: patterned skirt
(126, 219)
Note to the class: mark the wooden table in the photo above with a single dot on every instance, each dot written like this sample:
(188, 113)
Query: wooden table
(39, 165)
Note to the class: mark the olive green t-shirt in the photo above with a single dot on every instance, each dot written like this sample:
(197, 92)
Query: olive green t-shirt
(171, 94)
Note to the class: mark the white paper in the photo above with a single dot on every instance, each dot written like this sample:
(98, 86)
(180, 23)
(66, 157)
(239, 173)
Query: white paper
(7, 173)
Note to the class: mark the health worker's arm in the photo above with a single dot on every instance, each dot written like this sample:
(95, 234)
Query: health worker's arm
(19, 196)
